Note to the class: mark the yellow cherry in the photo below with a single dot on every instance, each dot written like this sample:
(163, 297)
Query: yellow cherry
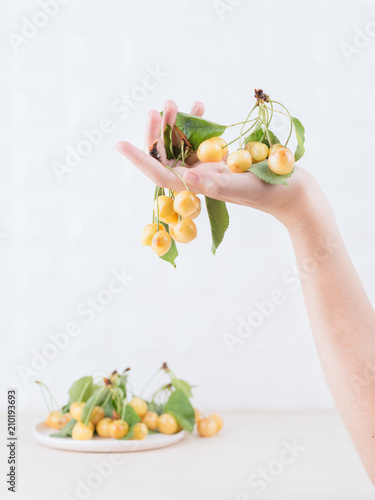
(161, 242)
(218, 420)
(103, 427)
(198, 416)
(239, 161)
(97, 414)
(149, 232)
(210, 151)
(282, 161)
(258, 151)
(118, 429)
(183, 231)
(76, 410)
(139, 406)
(140, 431)
(83, 432)
(53, 419)
(151, 420)
(167, 424)
(207, 427)
(274, 148)
(222, 143)
(165, 204)
(170, 219)
(186, 204)
(63, 420)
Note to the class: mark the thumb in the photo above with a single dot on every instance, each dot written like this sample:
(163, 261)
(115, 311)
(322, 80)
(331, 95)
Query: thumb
(204, 183)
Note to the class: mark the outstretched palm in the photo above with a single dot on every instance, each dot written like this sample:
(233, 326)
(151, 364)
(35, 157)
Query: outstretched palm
(211, 179)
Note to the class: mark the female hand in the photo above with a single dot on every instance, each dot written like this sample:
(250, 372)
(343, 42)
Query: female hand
(342, 318)
(216, 180)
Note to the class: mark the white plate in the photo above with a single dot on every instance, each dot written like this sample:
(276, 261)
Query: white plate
(102, 445)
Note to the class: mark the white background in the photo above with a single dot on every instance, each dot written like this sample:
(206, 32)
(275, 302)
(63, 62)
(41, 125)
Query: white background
(61, 241)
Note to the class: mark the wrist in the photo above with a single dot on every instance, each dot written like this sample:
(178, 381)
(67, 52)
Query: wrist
(314, 228)
(308, 209)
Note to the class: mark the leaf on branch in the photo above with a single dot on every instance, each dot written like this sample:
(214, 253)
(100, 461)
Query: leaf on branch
(300, 134)
(262, 171)
(172, 253)
(219, 221)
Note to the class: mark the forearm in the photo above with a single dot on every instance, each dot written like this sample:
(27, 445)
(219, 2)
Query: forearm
(343, 323)
(341, 315)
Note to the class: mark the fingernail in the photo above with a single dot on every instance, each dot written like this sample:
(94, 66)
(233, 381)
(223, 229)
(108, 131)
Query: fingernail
(192, 179)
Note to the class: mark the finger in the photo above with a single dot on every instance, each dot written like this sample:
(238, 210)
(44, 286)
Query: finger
(169, 115)
(244, 189)
(152, 168)
(197, 109)
(152, 128)
(207, 181)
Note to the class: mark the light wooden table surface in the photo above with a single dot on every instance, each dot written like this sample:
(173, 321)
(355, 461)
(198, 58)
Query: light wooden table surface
(301, 455)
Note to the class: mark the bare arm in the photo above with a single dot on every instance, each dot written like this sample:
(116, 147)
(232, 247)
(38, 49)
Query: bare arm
(341, 315)
(342, 320)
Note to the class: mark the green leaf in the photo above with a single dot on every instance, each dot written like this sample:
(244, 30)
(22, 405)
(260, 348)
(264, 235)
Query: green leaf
(117, 400)
(273, 138)
(130, 433)
(131, 416)
(198, 129)
(262, 171)
(81, 390)
(96, 399)
(157, 408)
(168, 142)
(300, 134)
(176, 143)
(108, 408)
(179, 406)
(219, 221)
(121, 384)
(66, 431)
(257, 137)
(182, 385)
(172, 253)
(149, 431)
(65, 409)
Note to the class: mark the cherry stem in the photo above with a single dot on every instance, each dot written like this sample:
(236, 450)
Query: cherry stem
(130, 388)
(96, 376)
(243, 126)
(107, 399)
(240, 123)
(178, 175)
(52, 401)
(162, 388)
(259, 125)
(123, 408)
(271, 114)
(83, 391)
(96, 399)
(149, 381)
(119, 402)
(246, 132)
(266, 123)
(156, 196)
(290, 118)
